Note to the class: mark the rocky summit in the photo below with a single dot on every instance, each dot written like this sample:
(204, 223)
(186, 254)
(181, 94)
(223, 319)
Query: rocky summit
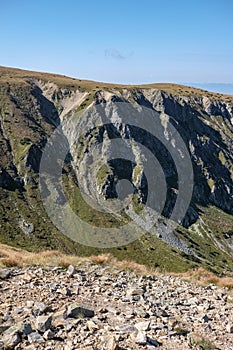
(95, 307)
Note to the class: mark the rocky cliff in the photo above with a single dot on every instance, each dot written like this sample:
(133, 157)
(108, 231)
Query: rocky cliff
(123, 148)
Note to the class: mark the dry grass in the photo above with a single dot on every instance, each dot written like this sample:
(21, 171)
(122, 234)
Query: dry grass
(133, 266)
(10, 262)
(10, 256)
(101, 259)
(204, 277)
(202, 343)
(108, 259)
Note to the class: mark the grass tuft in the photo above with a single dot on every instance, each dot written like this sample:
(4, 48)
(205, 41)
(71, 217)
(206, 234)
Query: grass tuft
(204, 277)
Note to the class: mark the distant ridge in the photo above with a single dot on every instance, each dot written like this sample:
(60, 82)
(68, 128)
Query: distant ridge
(222, 88)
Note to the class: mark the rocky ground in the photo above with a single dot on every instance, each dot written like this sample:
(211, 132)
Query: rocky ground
(95, 307)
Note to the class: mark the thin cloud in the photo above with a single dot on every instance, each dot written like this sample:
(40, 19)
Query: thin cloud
(116, 54)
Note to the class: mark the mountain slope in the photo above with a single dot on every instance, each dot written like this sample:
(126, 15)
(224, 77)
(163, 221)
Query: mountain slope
(33, 105)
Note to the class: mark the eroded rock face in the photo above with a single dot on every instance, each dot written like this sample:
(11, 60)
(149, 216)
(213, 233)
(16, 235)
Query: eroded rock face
(127, 311)
(30, 113)
(206, 132)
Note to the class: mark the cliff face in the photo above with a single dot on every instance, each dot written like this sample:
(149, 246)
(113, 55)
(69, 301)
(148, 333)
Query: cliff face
(95, 119)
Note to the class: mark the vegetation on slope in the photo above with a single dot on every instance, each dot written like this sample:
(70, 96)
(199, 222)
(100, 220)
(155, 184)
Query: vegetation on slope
(28, 118)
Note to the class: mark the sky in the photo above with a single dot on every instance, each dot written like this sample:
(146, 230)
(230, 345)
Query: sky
(122, 41)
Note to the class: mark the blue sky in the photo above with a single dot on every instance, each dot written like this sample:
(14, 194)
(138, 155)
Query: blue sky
(120, 41)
